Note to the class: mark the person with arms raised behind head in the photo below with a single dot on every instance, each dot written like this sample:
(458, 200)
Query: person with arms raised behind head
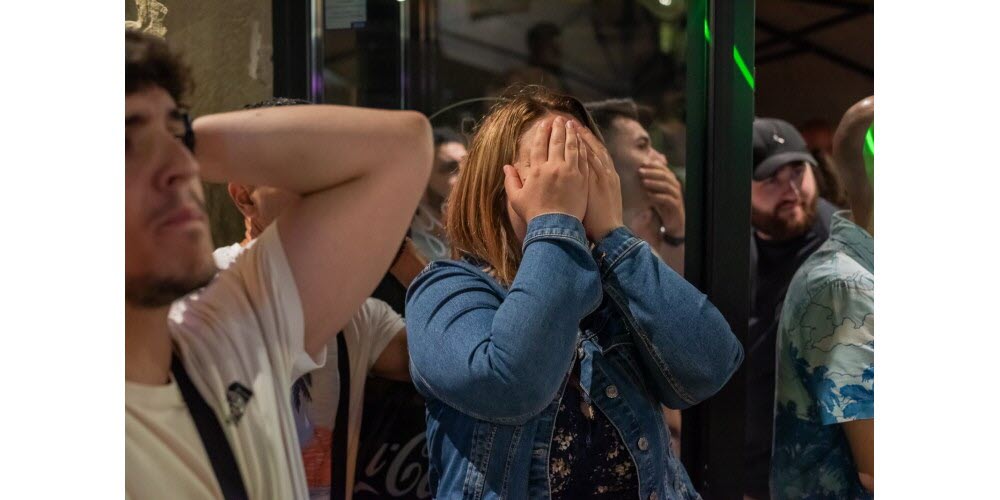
(373, 342)
(210, 358)
(546, 348)
(824, 434)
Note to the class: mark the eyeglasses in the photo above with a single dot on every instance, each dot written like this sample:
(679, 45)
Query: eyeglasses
(188, 137)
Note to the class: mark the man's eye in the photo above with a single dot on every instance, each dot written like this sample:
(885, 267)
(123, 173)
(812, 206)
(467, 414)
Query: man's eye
(449, 167)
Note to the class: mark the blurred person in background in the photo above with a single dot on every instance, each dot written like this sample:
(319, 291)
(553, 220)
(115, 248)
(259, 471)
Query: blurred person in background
(825, 402)
(537, 385)
(427, 229)
(373, 342)
(818, 135)
(652, 197)
(544, 65)
(789, 222)
(210, 357)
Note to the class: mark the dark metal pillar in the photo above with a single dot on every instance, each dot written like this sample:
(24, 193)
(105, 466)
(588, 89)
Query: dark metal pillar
(720, 119)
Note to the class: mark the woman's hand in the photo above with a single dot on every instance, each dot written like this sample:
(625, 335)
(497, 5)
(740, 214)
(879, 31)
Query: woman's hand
(604, 199)
(555, 179)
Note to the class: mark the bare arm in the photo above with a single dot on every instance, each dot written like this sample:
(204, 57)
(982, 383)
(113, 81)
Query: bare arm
(394, 362)
(861, 438)
(361, 173)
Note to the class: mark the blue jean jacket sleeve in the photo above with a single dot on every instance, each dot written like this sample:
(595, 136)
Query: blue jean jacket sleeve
(502, 358)
(686, 347)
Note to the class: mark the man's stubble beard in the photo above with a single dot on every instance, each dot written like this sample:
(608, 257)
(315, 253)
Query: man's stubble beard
(777, 229)
(153, 291)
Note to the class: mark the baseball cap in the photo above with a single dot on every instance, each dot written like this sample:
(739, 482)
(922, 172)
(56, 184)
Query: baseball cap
(776, 143)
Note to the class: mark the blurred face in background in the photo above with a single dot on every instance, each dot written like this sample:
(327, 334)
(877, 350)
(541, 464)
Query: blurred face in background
(168, 246)
(444, 174)
(783, 206)
(630, 148)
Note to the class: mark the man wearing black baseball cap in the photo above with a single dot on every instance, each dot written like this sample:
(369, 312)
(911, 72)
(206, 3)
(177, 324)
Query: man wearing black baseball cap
(790, 221)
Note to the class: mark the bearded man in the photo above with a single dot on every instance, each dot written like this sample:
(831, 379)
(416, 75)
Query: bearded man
(789, 222)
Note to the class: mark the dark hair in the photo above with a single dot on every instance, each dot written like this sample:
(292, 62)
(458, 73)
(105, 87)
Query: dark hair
(150, 63)
(276, 102)
(605, 112)
(443, 135)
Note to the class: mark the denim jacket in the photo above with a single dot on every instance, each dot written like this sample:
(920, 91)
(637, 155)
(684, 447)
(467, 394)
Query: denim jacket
(493, 363)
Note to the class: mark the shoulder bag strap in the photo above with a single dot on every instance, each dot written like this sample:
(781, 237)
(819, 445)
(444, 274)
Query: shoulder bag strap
(227, 473)
(338, 457)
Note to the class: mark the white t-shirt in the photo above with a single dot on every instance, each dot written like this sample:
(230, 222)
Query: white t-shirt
(245, 327)
(367, 334)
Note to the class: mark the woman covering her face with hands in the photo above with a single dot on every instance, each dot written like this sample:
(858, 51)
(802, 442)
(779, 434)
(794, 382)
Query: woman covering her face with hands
(547, 345)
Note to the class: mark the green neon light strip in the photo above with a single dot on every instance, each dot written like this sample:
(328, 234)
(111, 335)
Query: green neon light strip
(743, 67)
(747, 74)
(869, 153)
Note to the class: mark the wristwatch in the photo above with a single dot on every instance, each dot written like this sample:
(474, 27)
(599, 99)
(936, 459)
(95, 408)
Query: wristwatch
(674, 241)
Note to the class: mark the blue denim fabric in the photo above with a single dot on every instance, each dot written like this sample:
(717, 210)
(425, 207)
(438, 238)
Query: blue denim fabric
(493, 363)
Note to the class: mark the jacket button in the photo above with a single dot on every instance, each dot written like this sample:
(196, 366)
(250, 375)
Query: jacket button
(653, 496)
(643, 444)
(611, 392)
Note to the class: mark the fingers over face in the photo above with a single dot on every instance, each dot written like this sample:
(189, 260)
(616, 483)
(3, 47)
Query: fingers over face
(573, 145)
(511, 180)
(596, 146)
(557, 140)
(653, 171)
(660, 186)
(540, 141)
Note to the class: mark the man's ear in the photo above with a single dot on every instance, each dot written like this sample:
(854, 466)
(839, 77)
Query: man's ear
(240, 194)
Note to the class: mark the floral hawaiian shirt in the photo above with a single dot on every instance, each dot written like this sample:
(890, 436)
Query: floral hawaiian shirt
(826, 367)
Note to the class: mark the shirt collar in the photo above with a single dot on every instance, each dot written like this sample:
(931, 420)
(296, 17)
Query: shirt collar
(857, 243)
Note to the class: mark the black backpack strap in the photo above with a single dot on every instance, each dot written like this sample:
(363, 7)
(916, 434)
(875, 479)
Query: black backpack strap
(227, 473)
(338, 457)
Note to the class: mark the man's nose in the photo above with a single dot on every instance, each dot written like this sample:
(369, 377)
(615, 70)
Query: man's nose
(176, 166)
(795, 188)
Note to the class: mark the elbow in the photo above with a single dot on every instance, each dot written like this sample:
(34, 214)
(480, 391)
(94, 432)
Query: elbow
(722, 362)
(416, 145)
(517, 404)
(717, 363)
(487, 398)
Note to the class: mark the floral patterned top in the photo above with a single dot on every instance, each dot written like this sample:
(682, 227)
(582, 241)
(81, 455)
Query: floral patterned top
(587, 458)
(826, 367)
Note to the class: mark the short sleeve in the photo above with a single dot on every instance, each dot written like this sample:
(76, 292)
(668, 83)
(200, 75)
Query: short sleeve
(835, 355)
(251, 309)
(382, 325)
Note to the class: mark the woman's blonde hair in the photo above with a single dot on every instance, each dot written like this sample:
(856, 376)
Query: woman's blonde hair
(477, 222)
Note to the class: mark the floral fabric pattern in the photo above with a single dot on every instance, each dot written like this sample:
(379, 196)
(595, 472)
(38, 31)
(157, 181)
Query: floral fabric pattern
(587, 458)
(826, 367)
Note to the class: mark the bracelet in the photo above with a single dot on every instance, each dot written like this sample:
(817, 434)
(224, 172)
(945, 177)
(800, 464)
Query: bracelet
(674, 241)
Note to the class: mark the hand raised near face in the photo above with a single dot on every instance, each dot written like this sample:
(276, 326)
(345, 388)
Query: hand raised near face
(604, 200)
(555, 179)
(664, 192)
